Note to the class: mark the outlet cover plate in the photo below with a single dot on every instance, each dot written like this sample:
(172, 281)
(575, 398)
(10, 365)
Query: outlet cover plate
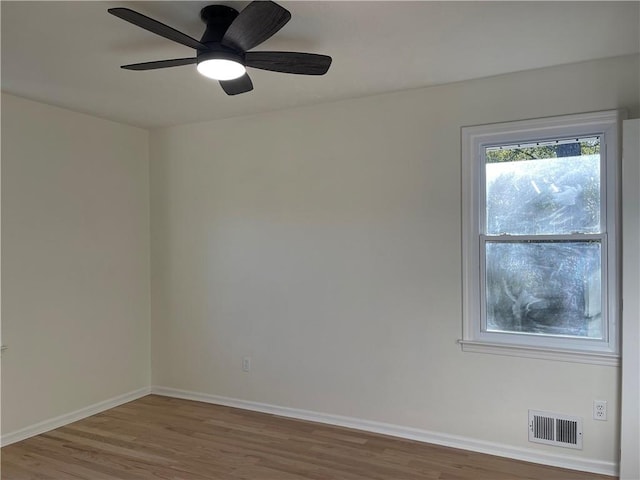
(600, 410)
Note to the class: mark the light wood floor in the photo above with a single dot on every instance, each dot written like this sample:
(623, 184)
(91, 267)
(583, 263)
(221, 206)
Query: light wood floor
(164, 438)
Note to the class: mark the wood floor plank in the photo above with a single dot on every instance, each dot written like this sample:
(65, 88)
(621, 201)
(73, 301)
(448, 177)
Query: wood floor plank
(160, 438)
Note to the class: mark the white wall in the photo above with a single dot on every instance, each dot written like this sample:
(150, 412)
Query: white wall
(75, 261)
(325, 243)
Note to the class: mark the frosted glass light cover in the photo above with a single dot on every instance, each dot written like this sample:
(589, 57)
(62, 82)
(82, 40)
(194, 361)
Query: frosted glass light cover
(221, 69)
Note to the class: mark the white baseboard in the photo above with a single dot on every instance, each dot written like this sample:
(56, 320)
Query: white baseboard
(454, 441)
(67, 418)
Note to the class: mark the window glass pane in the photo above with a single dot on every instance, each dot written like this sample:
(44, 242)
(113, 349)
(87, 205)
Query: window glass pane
(548, 288)
(546, 188)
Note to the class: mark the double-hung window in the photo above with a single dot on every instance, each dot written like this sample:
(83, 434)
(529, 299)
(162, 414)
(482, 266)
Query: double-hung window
(540, 252)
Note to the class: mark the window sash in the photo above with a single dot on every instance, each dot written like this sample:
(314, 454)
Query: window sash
(482, 159)
(544, 340)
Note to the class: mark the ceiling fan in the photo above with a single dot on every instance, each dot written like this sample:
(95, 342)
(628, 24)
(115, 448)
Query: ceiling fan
(222, 52)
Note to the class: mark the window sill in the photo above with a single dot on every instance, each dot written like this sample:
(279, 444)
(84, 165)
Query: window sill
(594, 358)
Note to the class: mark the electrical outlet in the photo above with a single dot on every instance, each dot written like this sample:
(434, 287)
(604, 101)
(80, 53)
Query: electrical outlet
(599, 409)
(246, 364)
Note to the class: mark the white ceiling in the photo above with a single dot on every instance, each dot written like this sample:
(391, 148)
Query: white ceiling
(68, 53)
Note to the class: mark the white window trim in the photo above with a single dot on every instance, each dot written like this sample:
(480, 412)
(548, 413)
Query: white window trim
(474, 140)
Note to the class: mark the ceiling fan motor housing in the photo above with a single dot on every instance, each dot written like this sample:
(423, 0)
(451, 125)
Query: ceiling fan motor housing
(218, 19)
(220, 52)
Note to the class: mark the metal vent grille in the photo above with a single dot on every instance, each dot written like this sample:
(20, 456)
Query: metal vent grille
(555, 429)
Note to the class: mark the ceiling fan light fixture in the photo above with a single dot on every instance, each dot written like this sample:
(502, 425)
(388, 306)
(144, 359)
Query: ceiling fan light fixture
(221, 69)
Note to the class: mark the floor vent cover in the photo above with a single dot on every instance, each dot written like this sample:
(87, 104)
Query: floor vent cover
(555, 429)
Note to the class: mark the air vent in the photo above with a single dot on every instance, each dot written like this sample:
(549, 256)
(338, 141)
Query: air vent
(555, 429)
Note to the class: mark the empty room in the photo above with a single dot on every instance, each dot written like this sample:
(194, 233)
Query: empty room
(328, 240)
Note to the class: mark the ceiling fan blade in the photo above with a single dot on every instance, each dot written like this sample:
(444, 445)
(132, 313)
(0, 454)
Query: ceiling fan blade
(156, 27)
(239, 85)
(289, 62)
(174, 62)
(256, 23)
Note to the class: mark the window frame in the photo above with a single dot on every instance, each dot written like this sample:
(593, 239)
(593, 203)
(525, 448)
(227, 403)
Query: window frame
(475, 139)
